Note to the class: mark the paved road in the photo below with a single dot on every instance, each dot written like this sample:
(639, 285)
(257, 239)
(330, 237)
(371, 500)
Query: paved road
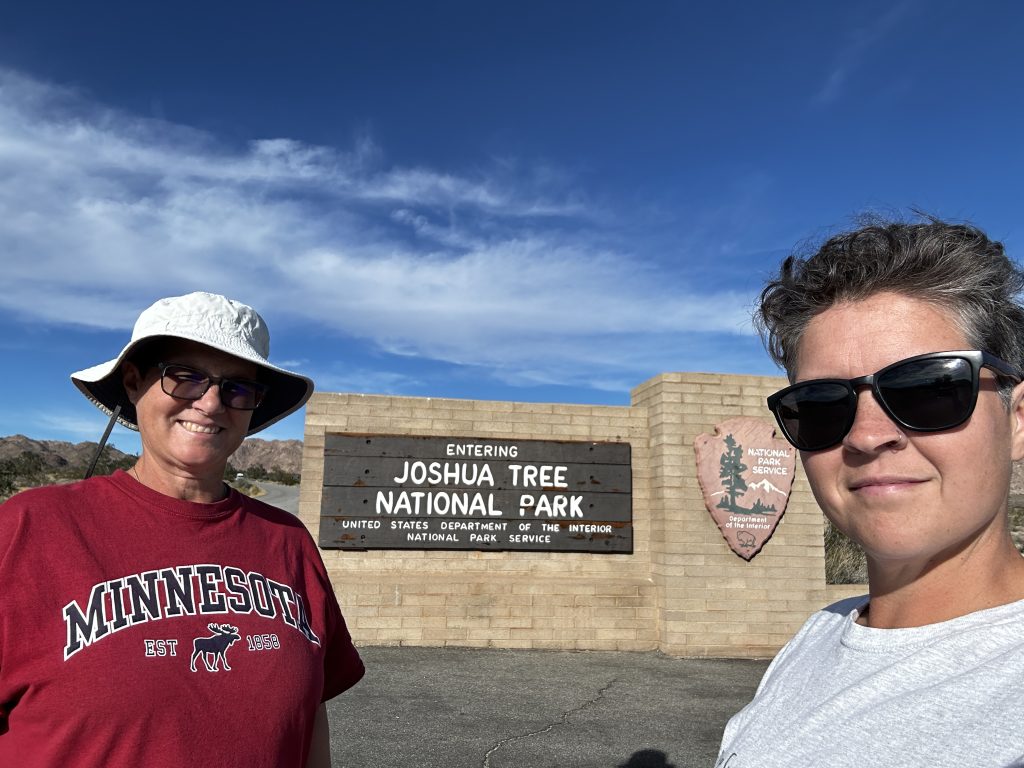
(463, 708)
(284, 497)
(469, 708)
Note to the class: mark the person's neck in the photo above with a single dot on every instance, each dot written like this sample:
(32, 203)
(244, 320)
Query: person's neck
(180, 485)
(912, 595)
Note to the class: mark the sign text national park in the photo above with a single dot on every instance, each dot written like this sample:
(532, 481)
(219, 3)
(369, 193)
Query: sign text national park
(392, 492)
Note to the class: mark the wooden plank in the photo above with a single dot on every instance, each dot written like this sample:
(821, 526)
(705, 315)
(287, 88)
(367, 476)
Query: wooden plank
(357, 471)
(476, 449)
(495, 535)
(363, 502)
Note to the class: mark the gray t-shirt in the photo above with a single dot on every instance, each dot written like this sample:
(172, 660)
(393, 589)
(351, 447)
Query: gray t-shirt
(840, 694)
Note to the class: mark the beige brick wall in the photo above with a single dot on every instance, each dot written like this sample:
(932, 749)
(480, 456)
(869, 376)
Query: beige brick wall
(712, 602)
(682, 591)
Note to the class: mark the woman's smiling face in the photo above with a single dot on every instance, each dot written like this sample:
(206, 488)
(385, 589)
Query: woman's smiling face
(904, 496)
(191, 437)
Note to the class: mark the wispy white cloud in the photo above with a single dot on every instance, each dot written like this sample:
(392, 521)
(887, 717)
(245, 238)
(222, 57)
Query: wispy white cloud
(74, 425)
(852, 54)
(361, 380)
(103, 212)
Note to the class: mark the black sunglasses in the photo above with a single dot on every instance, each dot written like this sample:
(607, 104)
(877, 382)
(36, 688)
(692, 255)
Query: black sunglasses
(184, 383)
(925, 393)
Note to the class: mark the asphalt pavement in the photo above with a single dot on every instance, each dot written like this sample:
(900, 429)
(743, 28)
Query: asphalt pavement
(284, 497)
(472, 708)
(490, 708)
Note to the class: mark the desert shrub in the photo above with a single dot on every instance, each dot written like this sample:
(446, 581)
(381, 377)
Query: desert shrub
(256, 472)
(278, 475)
(845, 562)
(108, 464)
(23, 471)
(28, 468)
(1017, 521)
(7, 486)
(259, 472)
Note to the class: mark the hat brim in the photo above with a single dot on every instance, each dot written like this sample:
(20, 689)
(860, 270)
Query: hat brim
(288, 391)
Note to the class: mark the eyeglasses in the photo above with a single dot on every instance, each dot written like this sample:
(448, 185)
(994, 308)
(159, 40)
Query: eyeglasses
(184, 383)
(925, 393)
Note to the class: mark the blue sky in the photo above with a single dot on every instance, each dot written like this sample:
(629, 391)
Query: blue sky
(538, 201)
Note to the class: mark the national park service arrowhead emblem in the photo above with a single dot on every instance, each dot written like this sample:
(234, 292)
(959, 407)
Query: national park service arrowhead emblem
(746, 474)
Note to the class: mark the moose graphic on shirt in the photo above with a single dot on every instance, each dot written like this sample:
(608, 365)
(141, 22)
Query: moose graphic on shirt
(215, 647)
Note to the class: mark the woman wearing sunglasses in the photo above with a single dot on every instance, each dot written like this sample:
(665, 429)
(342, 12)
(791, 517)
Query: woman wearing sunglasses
(157, 617)
(904, 344)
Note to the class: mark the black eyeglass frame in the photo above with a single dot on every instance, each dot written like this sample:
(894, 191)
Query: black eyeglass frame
(978, 359)
(258, 387)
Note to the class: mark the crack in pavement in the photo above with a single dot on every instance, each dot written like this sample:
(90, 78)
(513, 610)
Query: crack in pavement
(561, 721)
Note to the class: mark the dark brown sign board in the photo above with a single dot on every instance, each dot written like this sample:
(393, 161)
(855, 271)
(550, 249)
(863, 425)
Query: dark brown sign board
(402, 492)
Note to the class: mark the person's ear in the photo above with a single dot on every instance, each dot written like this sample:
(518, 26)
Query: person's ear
(131, 378)
(1017, 422)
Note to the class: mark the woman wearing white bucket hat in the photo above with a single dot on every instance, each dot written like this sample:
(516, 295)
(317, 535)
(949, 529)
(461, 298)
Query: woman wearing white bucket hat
(162, 618)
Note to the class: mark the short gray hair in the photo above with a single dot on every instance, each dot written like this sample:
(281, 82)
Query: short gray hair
(954, 266)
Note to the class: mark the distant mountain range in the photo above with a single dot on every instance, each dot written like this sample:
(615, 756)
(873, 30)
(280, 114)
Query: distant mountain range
(284, 454)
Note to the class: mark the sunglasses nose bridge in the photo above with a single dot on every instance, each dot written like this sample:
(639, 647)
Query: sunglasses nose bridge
(863, 381)
(873, 426)
(216, 402)
(859, 386)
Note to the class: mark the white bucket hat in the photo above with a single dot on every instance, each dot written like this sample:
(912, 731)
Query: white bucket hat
(216, 322)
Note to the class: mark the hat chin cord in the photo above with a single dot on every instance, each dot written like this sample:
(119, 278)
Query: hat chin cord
(103, 441)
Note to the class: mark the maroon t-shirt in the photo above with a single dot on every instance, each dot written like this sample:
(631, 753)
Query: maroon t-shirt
(140, 630)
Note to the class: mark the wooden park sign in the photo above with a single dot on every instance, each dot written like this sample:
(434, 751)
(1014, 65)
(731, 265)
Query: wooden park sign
(392, 492)
(746, 474)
